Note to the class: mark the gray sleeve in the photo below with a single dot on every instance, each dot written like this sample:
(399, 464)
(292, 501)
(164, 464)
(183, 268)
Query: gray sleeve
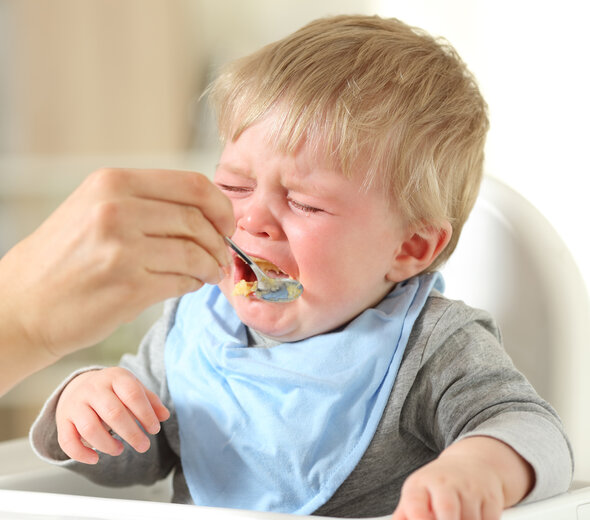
(467, 385)
(130, 467)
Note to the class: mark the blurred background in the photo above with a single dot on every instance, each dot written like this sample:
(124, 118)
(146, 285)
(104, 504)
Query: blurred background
(92, 83)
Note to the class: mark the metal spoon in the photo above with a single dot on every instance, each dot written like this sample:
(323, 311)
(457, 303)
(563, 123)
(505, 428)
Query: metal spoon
(281, 290)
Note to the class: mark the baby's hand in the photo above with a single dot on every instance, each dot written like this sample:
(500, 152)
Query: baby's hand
(98, 401)
(475, 478)
(445, 490)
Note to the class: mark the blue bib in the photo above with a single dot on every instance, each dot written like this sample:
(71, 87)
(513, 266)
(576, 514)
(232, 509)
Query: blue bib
(281, 428)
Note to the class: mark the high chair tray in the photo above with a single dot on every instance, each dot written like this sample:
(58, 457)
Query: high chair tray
(29, 505)
(33, 490)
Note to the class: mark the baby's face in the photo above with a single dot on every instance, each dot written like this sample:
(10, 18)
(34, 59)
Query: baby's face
(316, 226)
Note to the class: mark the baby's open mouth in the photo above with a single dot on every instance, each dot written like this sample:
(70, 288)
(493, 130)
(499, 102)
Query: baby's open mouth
(245, 279)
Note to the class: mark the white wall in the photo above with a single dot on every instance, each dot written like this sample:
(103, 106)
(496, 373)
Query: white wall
(532, 60)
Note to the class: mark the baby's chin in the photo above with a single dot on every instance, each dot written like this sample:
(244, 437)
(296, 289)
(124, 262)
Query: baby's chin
(284, 322)
(271, 320)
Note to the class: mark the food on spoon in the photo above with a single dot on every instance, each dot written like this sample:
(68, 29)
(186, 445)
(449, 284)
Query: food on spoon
(294, 291)
(246, 288)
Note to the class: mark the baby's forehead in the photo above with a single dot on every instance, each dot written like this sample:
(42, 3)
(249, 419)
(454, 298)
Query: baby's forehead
(314, 149)
(317, 146)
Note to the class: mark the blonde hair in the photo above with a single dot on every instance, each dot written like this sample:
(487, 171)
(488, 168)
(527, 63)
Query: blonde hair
(376, 94)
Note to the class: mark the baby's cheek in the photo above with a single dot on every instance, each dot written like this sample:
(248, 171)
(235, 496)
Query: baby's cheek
(227, 286)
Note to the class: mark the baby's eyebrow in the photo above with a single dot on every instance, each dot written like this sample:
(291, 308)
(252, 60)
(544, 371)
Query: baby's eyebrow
(308, 184)
(235, 169)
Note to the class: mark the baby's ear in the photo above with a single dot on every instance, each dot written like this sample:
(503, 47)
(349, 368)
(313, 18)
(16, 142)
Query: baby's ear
(419, 250)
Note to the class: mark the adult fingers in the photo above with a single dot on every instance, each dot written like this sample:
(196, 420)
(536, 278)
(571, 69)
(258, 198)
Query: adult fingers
(182, 257)
(163, 219)
(161, 286)
(179, 187)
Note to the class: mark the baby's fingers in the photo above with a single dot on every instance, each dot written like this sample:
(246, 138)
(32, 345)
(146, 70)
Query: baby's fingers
(414, 504)
(491, 510)
(162, 413)
(142, 404)
(122, 422)
(447, 505)
(77, 441)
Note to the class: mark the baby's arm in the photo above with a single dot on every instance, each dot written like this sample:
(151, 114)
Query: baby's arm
(476, 477)
(467, 393)
(101, 400)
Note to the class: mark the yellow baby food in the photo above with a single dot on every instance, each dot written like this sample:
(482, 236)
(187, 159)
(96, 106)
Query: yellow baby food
(244, 288)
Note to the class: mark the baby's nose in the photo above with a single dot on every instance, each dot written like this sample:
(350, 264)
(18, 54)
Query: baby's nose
(258, 220)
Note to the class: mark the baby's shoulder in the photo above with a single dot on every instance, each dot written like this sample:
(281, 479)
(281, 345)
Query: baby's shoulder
(440, 310)
(443, 319)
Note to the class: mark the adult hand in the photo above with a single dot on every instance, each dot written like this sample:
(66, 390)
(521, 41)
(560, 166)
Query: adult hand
(124, 240)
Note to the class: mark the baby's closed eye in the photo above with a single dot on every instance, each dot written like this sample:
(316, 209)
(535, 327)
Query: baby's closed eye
(305, 208)
(235, 189)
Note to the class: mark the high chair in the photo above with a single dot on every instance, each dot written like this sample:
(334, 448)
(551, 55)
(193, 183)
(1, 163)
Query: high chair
(510, 262)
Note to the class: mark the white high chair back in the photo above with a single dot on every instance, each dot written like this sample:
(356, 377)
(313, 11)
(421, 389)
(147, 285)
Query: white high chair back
(512, 263)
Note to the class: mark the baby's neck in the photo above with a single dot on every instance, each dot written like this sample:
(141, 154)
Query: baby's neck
(257, 339)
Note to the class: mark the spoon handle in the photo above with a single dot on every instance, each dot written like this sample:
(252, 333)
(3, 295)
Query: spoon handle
(262, 278)
(238, 251)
